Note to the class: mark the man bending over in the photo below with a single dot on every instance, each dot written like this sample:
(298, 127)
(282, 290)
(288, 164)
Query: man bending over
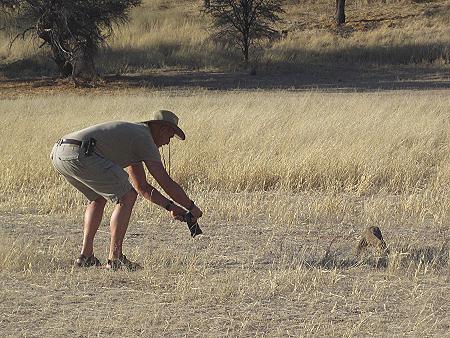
(99, 160)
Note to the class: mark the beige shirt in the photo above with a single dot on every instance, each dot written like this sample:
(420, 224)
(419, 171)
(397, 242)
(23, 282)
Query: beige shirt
(123, 143)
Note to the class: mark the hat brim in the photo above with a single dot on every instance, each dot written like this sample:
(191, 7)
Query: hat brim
(177, 130)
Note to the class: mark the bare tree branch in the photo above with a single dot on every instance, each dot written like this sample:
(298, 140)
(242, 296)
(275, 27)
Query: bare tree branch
(21, 34)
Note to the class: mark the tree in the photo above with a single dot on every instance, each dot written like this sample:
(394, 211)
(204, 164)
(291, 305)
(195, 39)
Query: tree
(340, 12)
(73, 29)
(243, 22)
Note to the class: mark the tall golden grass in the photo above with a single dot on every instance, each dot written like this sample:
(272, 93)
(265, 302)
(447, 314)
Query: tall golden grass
(376, 156)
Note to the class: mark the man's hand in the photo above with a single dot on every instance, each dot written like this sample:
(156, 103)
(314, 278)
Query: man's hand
(177, 212)
(180, 214)
(196, 212)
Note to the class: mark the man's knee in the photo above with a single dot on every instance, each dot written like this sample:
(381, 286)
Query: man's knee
(129, 198)
(99, 202)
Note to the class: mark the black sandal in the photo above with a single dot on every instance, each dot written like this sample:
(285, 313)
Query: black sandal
(122, 263)
(83, 262)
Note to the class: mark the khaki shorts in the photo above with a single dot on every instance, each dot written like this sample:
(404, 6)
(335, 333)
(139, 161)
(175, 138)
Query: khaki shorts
(93, 175)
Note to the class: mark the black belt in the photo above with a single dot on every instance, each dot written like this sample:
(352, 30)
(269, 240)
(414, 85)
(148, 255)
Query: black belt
(70, 141)
(87, 146)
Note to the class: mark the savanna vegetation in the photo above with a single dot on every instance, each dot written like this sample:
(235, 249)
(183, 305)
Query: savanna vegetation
(287, 181)
(331, 136)
(176, 35)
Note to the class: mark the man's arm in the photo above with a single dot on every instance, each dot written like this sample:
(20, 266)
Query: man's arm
(173, 189)
(139, 180)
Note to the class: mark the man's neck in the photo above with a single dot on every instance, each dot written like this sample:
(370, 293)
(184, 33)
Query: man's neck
(154, 131)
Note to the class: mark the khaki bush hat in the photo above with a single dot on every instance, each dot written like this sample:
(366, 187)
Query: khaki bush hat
(167, 118)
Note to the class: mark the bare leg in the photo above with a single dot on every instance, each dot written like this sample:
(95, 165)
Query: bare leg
(92, 218)
(119, 223)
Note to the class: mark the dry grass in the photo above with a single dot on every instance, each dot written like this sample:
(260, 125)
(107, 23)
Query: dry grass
(173, 34)
(287, 181)
(349, 147)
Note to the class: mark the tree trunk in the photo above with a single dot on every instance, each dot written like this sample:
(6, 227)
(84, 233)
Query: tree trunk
(83, 64)
(245, 50)
(65, 67)
(340, 12)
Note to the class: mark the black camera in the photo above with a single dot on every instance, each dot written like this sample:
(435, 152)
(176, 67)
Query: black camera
(193, 226)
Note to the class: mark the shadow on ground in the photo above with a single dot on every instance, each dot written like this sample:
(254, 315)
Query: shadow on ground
(308, 77)
(423, 66)
(34, 67)
(403, 257)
